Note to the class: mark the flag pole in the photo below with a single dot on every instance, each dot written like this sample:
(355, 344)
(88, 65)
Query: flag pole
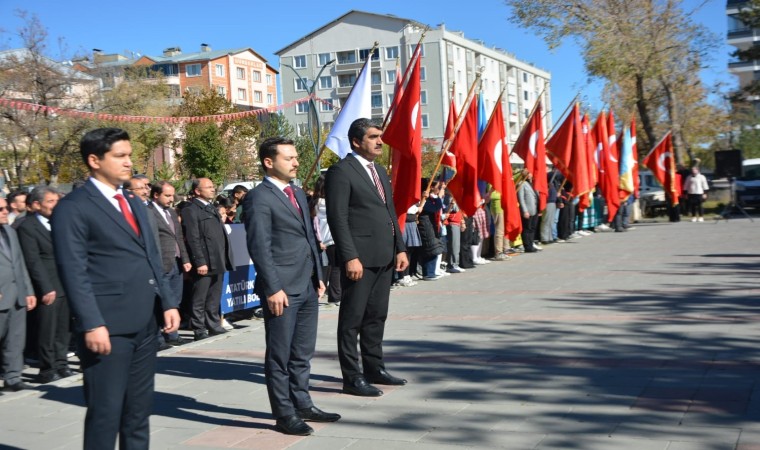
(563, 115)
(447, 142)
(498, 105)
(535, 105)
(321, 150)
(404, 79)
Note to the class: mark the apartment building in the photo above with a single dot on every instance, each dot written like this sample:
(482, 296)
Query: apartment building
(742, 37)
(449, 60)
(241, 75)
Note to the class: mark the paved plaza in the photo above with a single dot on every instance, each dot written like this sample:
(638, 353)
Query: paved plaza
(648, 339)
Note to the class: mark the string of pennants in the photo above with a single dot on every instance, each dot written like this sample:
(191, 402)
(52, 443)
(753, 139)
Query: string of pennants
(36, 108)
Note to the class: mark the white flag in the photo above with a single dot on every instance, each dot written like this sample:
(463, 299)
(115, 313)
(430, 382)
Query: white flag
(358, 105)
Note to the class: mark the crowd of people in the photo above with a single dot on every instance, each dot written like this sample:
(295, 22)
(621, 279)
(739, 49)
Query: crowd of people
(117, 266)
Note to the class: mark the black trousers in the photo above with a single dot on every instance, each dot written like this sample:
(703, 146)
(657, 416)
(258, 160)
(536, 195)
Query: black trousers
(207, 298)
(528, 234)
(290, 339)
(361, 319)
(118, 390)
(695, 205)
(53, 334)
(331, 276)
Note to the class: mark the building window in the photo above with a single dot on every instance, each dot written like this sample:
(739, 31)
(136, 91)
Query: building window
(457, 52)
(193, 70)
(326, 106)
(221, 90)
(375, 78)
(258, 96)
(303, 129)
(300, 86)
(327, 126)
(526, 95)
(526, 113)
(377, 100)
(324, 58)
(423, 73)
(270, 99)
(424, 120)
(513, 108)
(240, 73)
(423, 97)
(302, 108)
(390, 100)
(256, 76)
(174, 91)
(390, 76)
(219, 70)
(325, 82)
(391, 52)
(459, 76)
(269, 79)
(348, 57)
(299, 62)
(346, 80)
(242, 95)
(422, 49)
(525, 77)
(364, 52)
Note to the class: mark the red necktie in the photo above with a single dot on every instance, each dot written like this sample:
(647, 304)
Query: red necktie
(376, 179)
(291, 195)
(127, 213)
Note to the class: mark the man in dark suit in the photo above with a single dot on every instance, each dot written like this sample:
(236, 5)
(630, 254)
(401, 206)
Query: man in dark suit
(110, 267)
(284, 251)
(365, 228)
(53, 316)
(210, 255)
(17, 297)
(171, 242)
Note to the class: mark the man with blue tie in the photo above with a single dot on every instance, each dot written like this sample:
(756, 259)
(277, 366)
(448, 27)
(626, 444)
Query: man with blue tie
(110, 267)
(283, 248)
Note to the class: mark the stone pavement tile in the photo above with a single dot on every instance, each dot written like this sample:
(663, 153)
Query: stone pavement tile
(315, 442)
(348, 427)
(564, 442)
(476, 439)
(710, 445)
(638, 430)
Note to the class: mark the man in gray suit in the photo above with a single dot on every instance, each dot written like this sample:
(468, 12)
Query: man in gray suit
(17, 297)
(284, 251)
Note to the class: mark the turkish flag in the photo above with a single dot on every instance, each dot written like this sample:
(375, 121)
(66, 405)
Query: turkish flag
(531, 148)
(404, 134)
(448, 160)
(490, 149)
(567, 150)
(608, 168)
(464, 185)
(663, 166)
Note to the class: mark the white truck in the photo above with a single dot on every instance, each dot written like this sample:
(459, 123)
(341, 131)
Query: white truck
(747, 187)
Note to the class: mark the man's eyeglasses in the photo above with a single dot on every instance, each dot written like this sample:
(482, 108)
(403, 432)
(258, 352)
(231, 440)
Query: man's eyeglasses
(5, 208)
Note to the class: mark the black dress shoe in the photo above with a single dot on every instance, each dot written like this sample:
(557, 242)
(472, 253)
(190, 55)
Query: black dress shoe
(315, 414)
(18, 386)
(359, 386)
(48, 377)
(163, 346)
(293, 425)
(215, 331)
(176, 342)
(383, 377)
(66, 372)
(200, 334)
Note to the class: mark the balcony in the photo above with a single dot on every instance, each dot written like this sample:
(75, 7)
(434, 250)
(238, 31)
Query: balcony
(739, 33)
(735, 3)
(351, 66)
(743, 66)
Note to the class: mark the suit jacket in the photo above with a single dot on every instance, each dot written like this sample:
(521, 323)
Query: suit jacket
(280, 241)
(361, 224)
(207, 241)
(14, 279)
(168, 240)
(37, 244)
(112, 276)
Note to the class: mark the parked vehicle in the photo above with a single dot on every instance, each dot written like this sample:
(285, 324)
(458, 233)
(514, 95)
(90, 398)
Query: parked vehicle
(747, 186)
(651, 193)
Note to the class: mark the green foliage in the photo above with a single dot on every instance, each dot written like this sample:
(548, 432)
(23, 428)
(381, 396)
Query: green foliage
(203, 152)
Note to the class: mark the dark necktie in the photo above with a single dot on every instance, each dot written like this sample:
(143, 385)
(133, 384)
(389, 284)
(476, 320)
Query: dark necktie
(125, 211)
(291, 195)
(170, 222)
(6, 243)
(376, 179)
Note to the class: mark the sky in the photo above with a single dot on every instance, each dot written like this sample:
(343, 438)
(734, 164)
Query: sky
(147, 27)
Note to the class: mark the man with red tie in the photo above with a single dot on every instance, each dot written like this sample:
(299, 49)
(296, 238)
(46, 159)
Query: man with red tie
(365, 228)
(110, 267)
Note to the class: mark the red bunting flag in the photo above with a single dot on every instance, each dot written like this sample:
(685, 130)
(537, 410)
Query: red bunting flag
(464, 185)
(662, 163)
(531, 148)
(567, 150)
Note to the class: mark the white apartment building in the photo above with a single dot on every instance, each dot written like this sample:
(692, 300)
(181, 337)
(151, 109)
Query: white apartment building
(742, 37)
(448, 59)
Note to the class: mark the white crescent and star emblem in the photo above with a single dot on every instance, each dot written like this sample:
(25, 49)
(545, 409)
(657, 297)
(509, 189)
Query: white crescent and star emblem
(532, 143)
(661, 160)
(415, 114)
(497, 149)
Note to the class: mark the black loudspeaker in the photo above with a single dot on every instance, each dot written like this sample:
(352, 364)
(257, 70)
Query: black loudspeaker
(728, 164)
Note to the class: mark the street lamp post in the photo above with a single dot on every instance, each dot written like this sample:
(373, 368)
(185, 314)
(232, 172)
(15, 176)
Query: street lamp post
(312, 123)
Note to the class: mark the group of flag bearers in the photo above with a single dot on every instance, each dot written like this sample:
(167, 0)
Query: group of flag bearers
(476, 151)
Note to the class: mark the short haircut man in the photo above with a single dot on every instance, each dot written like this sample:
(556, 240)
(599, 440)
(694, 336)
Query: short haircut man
(284, 251)
(110, 267)
(369, 248)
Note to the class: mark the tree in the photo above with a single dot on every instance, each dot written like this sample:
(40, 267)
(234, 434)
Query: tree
(646, 49)
(203, 152)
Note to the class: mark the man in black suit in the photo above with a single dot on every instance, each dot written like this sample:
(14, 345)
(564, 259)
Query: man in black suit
(284, 251)
(171, 242)
(211, 256)
(53, 316)
(110, 267)
(365, 228)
